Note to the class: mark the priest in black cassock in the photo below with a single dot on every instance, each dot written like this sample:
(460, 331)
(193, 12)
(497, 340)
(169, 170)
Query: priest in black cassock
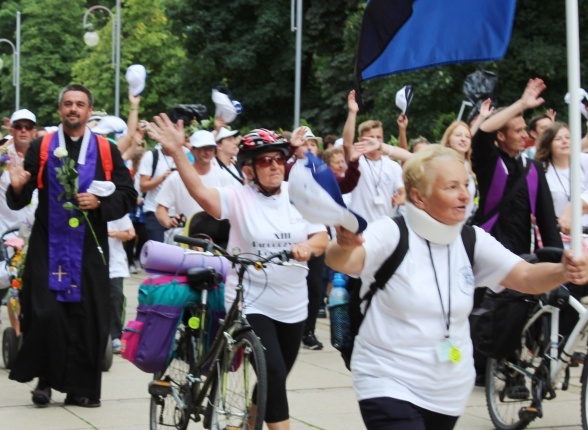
(65, 286)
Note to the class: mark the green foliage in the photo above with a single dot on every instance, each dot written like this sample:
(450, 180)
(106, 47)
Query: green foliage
(146, 39)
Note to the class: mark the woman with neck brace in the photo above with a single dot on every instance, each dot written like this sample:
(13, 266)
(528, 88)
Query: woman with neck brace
(403, 373)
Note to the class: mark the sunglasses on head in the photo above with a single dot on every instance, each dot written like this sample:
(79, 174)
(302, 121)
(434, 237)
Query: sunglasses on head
(266, 160)
(26, 126)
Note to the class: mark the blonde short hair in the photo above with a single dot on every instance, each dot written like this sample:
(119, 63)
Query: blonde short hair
(368, 125)
(417, 169)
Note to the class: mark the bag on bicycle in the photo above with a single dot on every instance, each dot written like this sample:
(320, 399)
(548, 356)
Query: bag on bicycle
(384, 273)
(496, 325)
(148, 340)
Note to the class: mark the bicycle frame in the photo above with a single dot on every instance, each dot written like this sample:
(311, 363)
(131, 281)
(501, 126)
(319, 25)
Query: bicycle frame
(557, 364)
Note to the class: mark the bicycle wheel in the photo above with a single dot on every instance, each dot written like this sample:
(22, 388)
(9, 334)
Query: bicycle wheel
(510, 394)
(584, 397)
(164, 411)
(239, 391)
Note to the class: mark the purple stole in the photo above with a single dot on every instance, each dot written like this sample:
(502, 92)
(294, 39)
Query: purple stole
(66, 244)
(496, 191)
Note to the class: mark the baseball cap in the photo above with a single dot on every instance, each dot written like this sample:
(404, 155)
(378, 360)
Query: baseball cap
(309, 135)
(136, 76)
(110, 124)
(224, 133)
(202, 138)
(23, 114)
(226, 108)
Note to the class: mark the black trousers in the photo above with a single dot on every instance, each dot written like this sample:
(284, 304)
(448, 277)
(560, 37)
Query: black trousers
(314, 281)
(386, 413)
(281, 342)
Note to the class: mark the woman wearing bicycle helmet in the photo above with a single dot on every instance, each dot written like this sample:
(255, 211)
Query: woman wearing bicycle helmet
(263, 221)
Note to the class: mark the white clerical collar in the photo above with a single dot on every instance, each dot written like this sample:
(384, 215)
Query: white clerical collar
(84, 146)
(429, 228)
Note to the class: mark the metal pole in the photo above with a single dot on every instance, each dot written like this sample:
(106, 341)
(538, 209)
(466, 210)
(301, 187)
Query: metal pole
(117, 54)
(17, 61)
(573, 53)
(298, 65)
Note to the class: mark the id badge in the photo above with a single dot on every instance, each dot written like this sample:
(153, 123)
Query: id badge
(448, 352)
(378, 199)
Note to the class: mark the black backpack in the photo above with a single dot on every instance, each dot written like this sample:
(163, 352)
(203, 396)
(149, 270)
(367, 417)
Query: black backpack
(382, 276)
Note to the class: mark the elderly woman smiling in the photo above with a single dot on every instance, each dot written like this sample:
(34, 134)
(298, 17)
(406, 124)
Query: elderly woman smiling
(403, 373)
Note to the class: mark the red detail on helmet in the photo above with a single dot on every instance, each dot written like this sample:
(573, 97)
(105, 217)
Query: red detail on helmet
(260, 137)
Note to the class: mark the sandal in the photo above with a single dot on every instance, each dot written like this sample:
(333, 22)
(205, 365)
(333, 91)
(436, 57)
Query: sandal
(81, 401)
(41, 397)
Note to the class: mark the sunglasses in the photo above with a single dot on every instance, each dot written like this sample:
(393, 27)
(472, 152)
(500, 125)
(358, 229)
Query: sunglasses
(267, 160)
(20, 126)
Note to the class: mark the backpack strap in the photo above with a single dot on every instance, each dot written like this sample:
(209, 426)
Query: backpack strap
(105, 156)
(103, 147)
(468, 237)
(43, 157)
(387, 269)
(155, 160)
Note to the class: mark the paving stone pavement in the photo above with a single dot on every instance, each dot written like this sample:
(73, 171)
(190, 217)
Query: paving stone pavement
(319, 393)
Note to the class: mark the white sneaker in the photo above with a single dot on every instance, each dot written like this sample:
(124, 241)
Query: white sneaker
(133, 268)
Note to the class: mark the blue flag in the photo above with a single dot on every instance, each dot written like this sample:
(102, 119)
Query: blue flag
(402, 35)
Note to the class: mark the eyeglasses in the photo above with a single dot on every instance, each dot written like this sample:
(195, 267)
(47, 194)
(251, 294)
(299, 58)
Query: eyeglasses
(267, 160)
(20, 126)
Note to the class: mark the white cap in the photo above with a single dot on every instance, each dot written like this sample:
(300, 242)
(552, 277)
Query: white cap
(583, 98)
(404, 97)
(226, 108)
(308, 135)
(202, 138)
(224, 133)
(339, 142)
(111, 124)
(23, 114)
(136, 76)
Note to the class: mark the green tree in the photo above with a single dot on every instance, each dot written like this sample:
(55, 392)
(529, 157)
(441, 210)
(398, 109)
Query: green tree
(145, 39)
(50, 44)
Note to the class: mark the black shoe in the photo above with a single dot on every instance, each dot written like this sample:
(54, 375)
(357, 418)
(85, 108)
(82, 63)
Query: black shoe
(577, 359)
(311, 342)
(516, 389)
(480, 381)
(81, 401)
(41, 395)
(322, 313)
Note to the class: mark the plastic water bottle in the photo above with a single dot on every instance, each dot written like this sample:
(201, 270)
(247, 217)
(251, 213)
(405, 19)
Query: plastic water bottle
(339, 313)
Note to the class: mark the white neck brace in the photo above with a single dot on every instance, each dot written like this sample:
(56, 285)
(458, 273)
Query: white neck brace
(429, 228)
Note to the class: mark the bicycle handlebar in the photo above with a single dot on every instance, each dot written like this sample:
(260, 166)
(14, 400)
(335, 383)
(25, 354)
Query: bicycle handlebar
(209, 246)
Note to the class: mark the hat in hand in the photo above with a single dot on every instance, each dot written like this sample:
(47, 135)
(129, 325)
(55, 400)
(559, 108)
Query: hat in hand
(202, 138)
(403, 98)
(226, 108)
(583, 101)
(136, 76)
(111, 124)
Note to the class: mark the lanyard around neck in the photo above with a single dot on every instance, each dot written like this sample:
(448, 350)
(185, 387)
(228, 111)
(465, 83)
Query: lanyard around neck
(446, 317)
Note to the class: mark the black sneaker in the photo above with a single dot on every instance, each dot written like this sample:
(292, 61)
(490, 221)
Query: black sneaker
(516, 389)
(322, 313)
(310, 341)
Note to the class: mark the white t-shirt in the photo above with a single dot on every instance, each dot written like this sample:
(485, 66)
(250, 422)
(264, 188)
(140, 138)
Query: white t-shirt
(560, 185)
(117, 261)
(379, 181)
(8, 217)
(175, 196)
(395, 351)
(263, 225)
(164, 163)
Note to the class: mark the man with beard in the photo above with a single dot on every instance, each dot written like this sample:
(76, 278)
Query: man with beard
(65, 295)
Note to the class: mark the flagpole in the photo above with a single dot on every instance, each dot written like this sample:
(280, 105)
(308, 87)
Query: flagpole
(573, 53)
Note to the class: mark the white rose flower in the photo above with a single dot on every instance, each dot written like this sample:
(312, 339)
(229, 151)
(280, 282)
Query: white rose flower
(60, 152)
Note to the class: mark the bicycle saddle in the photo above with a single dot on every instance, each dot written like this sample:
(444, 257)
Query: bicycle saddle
(201, 279)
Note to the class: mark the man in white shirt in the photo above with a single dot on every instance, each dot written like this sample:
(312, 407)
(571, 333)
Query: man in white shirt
(227, 142)
(23, 131)
(380, 189)
(174, 196)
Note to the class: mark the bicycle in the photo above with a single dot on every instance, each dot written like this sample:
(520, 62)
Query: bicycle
(516, 387)
(226, 385)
